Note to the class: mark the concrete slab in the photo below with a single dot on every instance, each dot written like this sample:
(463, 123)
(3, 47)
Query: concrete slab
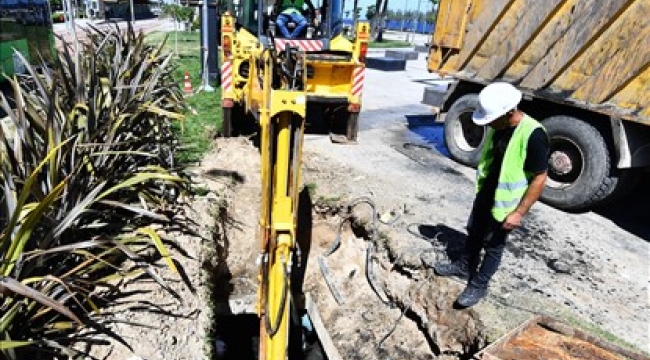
(421, 48)
(402, 54)
(385, 63)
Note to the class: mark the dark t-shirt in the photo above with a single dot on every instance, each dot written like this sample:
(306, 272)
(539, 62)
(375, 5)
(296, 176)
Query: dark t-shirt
(536, 161)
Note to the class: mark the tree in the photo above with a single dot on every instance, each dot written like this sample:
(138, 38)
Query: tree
(379, 15)
(355, 15)
(371, 11)
(56, 4)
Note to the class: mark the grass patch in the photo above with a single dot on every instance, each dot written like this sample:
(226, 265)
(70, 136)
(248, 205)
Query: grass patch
(200, 191)
(203, 117)
(311, 188)
(599, 332)
(389, 44)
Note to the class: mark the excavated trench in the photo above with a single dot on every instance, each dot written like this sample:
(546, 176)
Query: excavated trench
(402, 282)
(392, 305)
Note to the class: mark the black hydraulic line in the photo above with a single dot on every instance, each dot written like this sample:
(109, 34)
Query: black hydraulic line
(272, 329)
(370, 276)
(404, 311)
(370, 251)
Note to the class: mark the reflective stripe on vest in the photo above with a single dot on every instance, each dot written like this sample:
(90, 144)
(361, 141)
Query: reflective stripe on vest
(513, 180)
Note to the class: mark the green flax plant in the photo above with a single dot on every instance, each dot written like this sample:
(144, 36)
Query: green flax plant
(86, 167)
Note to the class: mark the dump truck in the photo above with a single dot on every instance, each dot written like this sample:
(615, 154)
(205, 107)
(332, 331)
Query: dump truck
(584, 69)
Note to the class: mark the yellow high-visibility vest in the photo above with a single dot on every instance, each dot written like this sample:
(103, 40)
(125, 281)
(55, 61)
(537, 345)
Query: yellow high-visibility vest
(513, 179)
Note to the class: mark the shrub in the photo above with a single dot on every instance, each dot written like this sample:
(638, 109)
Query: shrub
(87, 165)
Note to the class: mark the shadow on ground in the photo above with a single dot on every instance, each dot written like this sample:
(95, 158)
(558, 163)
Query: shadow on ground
(631, 213)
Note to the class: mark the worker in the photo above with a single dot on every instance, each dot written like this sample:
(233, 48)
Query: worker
(291, 11)
(510, 178)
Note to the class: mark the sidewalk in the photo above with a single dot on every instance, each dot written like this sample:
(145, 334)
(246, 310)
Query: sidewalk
(415, 39)
(146, 26)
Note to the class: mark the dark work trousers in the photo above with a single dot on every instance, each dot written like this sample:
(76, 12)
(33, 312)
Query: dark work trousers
(483, 233)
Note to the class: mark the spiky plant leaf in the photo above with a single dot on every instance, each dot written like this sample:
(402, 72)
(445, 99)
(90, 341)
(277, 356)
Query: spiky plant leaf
(86, 161)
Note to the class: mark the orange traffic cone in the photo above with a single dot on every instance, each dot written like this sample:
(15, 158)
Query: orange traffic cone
(188, 83)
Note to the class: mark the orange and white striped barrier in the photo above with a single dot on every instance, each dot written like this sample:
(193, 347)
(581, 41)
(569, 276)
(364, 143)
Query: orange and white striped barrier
(188, 83)
(357, 80)
(304, 45)
(226, 76)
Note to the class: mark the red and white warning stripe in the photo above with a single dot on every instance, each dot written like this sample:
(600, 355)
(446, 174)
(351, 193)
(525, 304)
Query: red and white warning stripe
(304, 45)
(357, 80)
(226, 76)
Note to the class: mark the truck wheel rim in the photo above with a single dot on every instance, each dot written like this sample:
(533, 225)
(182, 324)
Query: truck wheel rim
(467, 135)
(565, 163)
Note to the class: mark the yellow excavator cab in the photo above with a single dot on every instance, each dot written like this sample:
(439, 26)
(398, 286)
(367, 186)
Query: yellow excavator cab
(334, 62)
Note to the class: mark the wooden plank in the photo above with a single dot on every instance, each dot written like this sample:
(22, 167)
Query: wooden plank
(586, 21)
(623, 57)
(552, 326)
(323, 335)
(531, 16)
(569, 331)
(481, 28)
(486, 353)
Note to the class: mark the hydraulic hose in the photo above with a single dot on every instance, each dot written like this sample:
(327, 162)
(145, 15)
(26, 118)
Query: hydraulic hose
(370, 251)
(272, 329)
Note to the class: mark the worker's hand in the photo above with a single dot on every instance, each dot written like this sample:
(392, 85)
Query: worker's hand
(512, 221)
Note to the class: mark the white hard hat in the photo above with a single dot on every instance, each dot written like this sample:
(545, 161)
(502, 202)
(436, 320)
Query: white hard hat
(494, 101)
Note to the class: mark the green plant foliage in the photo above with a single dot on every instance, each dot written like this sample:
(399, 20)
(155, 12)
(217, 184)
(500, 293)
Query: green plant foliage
(178, 12)
(86, 166)
(203, 116)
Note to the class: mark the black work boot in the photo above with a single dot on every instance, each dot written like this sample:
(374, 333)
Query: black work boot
(456, 268)
(471, 295)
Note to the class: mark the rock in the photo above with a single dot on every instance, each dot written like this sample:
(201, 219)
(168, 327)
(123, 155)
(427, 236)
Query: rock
(428, 259)
(559, 266)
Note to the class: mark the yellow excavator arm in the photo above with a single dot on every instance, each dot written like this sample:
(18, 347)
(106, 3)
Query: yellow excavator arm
(273, 80)
(282, 118)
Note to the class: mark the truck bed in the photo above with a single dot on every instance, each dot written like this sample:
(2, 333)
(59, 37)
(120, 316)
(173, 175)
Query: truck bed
(591, 53)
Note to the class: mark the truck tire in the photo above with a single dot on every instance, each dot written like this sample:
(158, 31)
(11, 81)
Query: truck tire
(463, 138)
(626, 182)
(580, 173)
